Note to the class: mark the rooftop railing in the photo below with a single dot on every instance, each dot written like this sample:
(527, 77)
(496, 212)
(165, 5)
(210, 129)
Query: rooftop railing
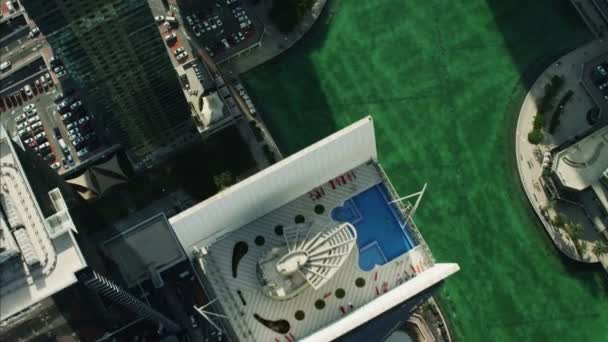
(404, 209)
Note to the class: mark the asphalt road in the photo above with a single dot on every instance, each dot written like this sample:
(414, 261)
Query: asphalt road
(16, 80)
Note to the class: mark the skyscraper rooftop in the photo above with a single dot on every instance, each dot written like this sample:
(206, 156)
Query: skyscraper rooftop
(38, 255)
(277, 249)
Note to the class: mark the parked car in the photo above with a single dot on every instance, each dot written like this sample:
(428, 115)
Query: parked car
(55, 166)
(159, 19)
(178, 50)
(34, 32)
(28, 90)
(48, 78)
(182, 56)
(58, 97)
(62, 107)
(20, 118)
(82, 152)
(78, 141)
(54, 62)
(84, 119)
(76, 104)
(171, 38)
(37, 124)
(66, 116)
(40, 135)
(33, 119)
(50, 156)
(22, 125)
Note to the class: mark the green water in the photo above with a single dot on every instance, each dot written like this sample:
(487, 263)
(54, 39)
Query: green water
(444, 80)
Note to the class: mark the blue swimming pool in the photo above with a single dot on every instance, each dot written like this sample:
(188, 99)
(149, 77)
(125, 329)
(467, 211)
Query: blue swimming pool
(381, 233)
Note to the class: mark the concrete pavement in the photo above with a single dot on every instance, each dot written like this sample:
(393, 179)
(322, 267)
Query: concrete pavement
(529, 156)
(274, 41)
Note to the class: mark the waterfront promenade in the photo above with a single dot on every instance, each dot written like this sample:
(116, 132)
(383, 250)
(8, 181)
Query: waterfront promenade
(529, 156)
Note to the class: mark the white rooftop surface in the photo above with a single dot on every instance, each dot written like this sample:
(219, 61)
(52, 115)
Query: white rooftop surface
(276, 185)
(59, 257)
(274, 196)
(218, 263)
(583, 163)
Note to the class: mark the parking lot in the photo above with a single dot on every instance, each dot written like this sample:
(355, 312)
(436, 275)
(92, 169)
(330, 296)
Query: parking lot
(599, 76)
(49, 120)
(222, 27)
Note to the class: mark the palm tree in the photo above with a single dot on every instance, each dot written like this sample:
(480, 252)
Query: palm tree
(600, 248)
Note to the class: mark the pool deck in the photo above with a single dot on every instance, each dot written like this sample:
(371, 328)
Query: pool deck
(218, 263)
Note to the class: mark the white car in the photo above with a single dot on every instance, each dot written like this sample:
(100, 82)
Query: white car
(245, 23)
(182, 56)
(28, 141)
(83, 119)
(55, 166)
(70, 126)
(66, 116)
(58, 69)
(22, 132)
(20, 118)
(179, 50)
(82, 152)
(33, 119)
(34, 32)
(170, 37)
(37, 124)
(48, 78)
(40, 135)
(61, 73)
(159, 19)
(76, 104)
(29, 107)
(46, 144)
(28, 90)
(22, 125)
(31, 112)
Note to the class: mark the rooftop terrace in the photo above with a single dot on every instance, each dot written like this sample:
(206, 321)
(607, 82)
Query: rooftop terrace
(318, 194)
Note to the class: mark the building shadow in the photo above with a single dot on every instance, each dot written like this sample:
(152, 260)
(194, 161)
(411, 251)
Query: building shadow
(279, 87)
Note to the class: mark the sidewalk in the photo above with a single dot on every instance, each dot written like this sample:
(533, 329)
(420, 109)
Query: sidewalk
(529, 156)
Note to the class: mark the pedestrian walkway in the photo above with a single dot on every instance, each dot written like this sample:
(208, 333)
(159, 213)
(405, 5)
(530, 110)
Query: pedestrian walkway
(530, 157)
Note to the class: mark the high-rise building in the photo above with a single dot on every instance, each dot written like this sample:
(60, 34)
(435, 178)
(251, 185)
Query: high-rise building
(42, 266)
(113, 51)
(317, 247)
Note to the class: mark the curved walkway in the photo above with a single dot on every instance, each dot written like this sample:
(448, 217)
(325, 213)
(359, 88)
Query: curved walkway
(529, 156)
(274, 42)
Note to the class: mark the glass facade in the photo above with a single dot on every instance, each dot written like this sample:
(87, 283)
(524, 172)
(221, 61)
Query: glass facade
(114, 53)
